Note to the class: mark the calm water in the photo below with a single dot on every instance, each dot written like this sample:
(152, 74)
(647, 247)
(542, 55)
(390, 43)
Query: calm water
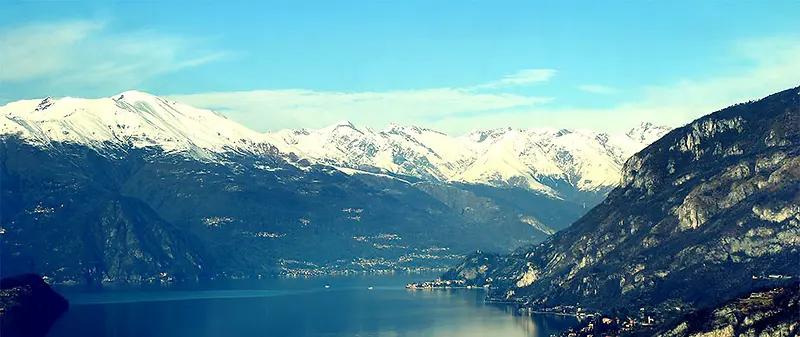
(296, 307)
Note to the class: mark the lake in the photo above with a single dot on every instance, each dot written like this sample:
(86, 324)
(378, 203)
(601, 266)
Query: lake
(296, 307)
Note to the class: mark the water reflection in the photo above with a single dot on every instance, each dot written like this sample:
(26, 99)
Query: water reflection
(347, 308)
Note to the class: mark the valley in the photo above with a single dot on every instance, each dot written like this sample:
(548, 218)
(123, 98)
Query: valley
(399, 168)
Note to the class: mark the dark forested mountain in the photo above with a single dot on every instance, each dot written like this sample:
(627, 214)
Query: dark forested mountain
(709, 211)
(74, 214)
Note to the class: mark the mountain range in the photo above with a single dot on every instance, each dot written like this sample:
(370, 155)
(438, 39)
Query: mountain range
(564, 164)
(559, 163)
(136, 187)
(708, 212)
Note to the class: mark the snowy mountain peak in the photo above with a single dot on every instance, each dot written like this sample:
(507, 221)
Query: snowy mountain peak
(647, 132)
(479, 135)
(134, 96)
(339, 124)
(409, 129)
(548, 160)
(131, 118)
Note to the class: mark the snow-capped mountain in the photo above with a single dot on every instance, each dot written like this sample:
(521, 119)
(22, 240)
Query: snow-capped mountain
(647, 133)
(549, 161)
(130, 118)
(552, 162)
(409, 151)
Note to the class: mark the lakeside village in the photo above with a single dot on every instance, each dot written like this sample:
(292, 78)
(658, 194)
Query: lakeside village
(591, 323)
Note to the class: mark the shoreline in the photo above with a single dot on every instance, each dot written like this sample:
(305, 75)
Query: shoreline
(164, 280)
(446, 288)
(520, 309)
(525, 310)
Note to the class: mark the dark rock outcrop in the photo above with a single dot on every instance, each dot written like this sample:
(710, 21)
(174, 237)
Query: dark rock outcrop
(774, 312)
(28, 306)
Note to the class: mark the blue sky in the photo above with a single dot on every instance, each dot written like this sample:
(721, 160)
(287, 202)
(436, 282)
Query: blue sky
(450, 65)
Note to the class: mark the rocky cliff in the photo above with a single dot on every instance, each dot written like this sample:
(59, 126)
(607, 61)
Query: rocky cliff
(710, 210)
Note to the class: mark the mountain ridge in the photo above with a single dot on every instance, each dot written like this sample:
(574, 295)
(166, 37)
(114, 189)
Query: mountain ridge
(536, 159)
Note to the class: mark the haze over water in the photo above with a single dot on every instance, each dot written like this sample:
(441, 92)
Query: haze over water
(297, 307)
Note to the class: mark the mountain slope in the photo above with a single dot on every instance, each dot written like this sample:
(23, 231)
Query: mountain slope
(702, 213)
(399, 150)
(585, 160)
(132, 215)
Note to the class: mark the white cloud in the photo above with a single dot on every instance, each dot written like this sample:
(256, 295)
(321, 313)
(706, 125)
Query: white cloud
(265, 110)
(88, 54)
(35, 51)
(774, 65)
(276, 109)
(598, 89)
(520, 78)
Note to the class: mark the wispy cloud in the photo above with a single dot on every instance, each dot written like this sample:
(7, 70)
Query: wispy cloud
(773, 65)
(598, 89)
(37, 50)
(276, 109)
(89, 54)
(520, 78)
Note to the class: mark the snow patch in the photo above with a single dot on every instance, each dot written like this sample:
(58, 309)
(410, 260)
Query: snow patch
(351, 172)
